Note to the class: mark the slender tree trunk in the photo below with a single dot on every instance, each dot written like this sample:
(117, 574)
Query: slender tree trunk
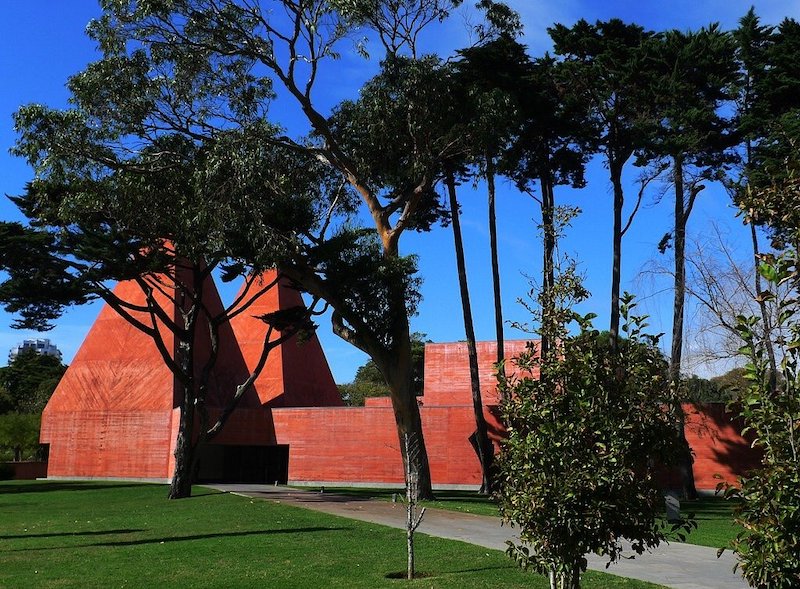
(396, 366)
(762, 305)
(483, 446)
(498, 305)
(676, 356)
(548, 262)
(619, 201)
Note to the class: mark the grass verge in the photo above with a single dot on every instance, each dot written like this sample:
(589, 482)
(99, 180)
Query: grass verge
(90, 534)
(714, 515)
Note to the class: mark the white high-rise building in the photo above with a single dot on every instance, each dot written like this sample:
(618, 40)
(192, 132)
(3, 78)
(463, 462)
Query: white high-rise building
(42, 346)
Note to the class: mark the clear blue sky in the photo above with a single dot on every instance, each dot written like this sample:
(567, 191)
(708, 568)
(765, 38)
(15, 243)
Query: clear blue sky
(43, 43)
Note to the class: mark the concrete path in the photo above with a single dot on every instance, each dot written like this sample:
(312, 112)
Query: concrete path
(682, 566)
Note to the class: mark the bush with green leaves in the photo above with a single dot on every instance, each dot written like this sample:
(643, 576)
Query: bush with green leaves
(769, 510)
(586, 429)
(19, 436)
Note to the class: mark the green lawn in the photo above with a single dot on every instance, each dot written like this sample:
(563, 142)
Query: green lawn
(465, 501)
(90, 534)
(715, 525)
(714, 517)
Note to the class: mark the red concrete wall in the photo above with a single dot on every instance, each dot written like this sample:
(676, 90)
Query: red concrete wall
(717, 445)
(109, 415)
(115, 412)
(102, 444)
(360, 445)
(27, 471)
(447, 371)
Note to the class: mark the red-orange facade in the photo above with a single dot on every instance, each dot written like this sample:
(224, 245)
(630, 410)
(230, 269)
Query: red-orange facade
(115, 412)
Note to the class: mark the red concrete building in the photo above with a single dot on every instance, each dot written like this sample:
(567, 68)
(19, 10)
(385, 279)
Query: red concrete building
(115, 413)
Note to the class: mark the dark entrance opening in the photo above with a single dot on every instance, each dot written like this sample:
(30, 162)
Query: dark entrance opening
(244, 464)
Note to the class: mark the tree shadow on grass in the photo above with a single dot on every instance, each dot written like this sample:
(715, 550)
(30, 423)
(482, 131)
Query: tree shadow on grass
(67, 534)
(169, 540)
(203, 492)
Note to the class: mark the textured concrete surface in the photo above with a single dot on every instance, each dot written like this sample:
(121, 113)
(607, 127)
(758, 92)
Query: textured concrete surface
(115, 414)
(681, 566)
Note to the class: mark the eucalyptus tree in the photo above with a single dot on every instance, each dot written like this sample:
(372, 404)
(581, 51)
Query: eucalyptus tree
(766, 110)
(163, 214)
(388, 148)
(238, 56)
(770, 111)
(696, 74)
(608, 65)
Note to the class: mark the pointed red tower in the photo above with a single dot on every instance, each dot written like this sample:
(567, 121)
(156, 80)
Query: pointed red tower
(115, 412)
(112, 413)
(296, 373)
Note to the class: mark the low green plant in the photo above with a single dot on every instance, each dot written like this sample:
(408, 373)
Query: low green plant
(587, 426)
(768, 546)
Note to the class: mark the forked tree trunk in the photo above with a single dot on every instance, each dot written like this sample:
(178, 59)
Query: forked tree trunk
(482, 444)
(676, 355)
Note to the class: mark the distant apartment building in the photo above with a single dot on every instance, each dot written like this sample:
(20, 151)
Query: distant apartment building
(42, 346)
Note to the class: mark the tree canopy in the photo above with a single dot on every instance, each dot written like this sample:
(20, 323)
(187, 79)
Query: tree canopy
(28, 382)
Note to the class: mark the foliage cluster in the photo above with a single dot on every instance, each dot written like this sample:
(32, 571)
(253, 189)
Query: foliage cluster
(19, 435)
(26, 385)
(717, 389)
(586, 427)
(769, 546)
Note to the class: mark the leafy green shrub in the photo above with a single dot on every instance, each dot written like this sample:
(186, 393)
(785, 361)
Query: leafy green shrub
(576, 471)
(769, 546)
(19, 433)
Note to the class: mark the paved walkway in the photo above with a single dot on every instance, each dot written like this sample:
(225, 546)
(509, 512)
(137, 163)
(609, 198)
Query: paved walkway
(682, 566)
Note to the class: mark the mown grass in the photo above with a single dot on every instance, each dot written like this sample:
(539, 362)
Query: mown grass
(714, 515)
(715, 526)
(88, 534)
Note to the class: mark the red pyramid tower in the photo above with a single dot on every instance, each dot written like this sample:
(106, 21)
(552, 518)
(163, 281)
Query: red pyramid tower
(116, 391)
(296, 373)
(115, 412)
